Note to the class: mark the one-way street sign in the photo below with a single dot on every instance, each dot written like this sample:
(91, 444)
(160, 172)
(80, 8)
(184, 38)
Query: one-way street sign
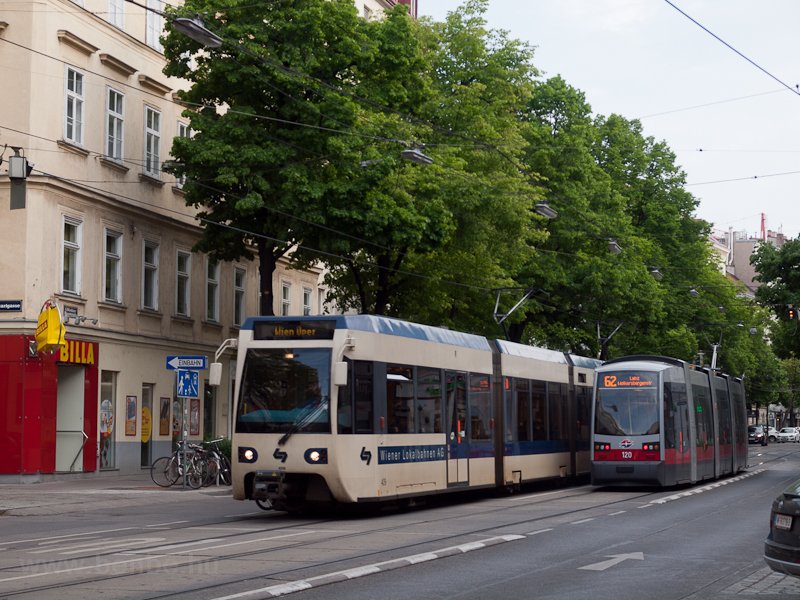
(187, 362)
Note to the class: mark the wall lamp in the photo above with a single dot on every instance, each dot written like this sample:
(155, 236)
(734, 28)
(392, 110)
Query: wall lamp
(78, 320)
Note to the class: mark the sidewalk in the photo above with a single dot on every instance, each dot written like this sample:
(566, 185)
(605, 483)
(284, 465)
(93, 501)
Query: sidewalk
(44, 495)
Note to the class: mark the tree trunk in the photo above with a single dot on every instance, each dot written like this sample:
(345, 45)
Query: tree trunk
(267, 263)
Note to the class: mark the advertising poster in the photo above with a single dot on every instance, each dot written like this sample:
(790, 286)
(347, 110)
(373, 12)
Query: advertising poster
(130, 415)
(163, 420)
(194, 417)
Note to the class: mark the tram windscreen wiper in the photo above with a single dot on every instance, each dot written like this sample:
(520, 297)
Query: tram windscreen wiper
(308, 417)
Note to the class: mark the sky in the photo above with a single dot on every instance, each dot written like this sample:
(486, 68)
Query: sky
(731, 113)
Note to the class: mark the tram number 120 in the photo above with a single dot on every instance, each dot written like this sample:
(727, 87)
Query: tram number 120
(627, 454)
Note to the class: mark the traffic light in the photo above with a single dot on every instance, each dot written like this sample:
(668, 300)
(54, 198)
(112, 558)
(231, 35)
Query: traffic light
(791, 312)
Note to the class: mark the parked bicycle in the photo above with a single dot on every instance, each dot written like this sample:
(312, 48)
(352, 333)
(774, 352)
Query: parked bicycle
(218, 467)
(188, 462)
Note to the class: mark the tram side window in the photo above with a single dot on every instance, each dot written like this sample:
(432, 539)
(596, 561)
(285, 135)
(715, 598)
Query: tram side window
(429, 400)
(400, 398)
(539, 405)
(725, 416)
(584, 409)
(557, 401)
(344, 405)
(523, 403)
(702, 407)
(480, 407)
(676, 412)
(363, 397)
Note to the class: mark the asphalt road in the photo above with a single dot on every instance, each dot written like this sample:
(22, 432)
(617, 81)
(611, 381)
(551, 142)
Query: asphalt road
(122, 538)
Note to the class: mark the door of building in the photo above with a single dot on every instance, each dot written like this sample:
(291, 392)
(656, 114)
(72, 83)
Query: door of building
(147, 424)
(70, 434)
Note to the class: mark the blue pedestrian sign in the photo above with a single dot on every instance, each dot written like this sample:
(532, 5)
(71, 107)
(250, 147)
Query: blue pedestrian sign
(187, 362)
(188, 383)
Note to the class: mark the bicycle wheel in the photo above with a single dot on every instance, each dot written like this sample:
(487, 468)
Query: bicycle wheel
(225, 477)
(212, 469)
(164, 471)
(196, 473)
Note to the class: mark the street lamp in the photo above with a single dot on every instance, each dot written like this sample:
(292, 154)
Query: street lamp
(613, 246)
(544, 209)
(194, 29)
(416, 155)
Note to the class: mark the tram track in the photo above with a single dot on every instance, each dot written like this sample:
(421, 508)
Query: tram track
(97, 560)
(170, 548)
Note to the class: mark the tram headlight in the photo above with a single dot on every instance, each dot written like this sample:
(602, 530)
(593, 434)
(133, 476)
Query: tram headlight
(316, 456)
(247, 455)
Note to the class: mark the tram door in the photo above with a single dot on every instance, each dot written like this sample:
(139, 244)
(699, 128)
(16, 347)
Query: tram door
(456, 419)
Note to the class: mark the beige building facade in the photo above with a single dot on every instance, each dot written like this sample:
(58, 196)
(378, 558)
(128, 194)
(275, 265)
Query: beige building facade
(106, 235)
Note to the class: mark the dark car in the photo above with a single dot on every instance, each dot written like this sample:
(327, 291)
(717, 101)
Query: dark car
(756, 434)
(782, 547)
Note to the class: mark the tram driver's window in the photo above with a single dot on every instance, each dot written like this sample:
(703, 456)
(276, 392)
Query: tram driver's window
(400, 399)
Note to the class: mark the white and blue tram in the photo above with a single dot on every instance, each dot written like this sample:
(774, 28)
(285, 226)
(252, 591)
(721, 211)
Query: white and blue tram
(661, 421)
(363, 409)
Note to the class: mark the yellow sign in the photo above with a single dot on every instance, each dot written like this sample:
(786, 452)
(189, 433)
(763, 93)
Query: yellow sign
(50, 331)
(147, 424)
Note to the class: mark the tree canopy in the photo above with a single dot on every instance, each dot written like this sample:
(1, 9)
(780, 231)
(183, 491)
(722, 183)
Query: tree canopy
(301, 121)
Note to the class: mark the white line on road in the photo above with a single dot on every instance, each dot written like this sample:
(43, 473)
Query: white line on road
(582, 521)
(538, 531)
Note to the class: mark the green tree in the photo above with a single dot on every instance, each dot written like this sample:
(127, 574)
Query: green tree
(778, 270)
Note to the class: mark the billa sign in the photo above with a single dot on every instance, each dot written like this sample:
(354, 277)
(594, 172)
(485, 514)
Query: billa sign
(50, 331)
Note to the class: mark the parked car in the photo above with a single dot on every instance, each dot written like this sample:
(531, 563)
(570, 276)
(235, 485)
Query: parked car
(782, 546)
(788, 434)
(755, 434)
(773, 434)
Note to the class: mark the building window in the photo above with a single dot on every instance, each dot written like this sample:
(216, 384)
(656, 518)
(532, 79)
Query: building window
(306, 301)
(184, 132)
(212, 290)
(73, 125)
(152, 141)
(183, 283)
(114, 124)
(286, 293)
(116, 12)
(150, 275)
(155, 24)
(71, 256)
(113, 267)
(320, 301)
(239, 275)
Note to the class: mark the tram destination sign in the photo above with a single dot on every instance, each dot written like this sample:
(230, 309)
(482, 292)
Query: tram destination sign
(196, 363)
(306, 329)
(627, 379)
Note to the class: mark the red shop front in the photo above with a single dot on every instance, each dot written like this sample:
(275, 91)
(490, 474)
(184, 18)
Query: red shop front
(48, 407)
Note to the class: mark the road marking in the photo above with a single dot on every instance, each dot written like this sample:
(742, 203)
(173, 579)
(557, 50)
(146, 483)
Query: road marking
(538, 531)
(167, 523)
(705, 488)
(99, 544)
(614, 514)
(614, 559)
(296, 586)
(72, 535)
(582, 521)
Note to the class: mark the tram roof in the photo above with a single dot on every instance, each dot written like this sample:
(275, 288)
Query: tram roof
(515, 349)
(391, 326)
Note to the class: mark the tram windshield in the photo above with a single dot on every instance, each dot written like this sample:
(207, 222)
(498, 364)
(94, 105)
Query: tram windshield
(285, 391)
(627, 404)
